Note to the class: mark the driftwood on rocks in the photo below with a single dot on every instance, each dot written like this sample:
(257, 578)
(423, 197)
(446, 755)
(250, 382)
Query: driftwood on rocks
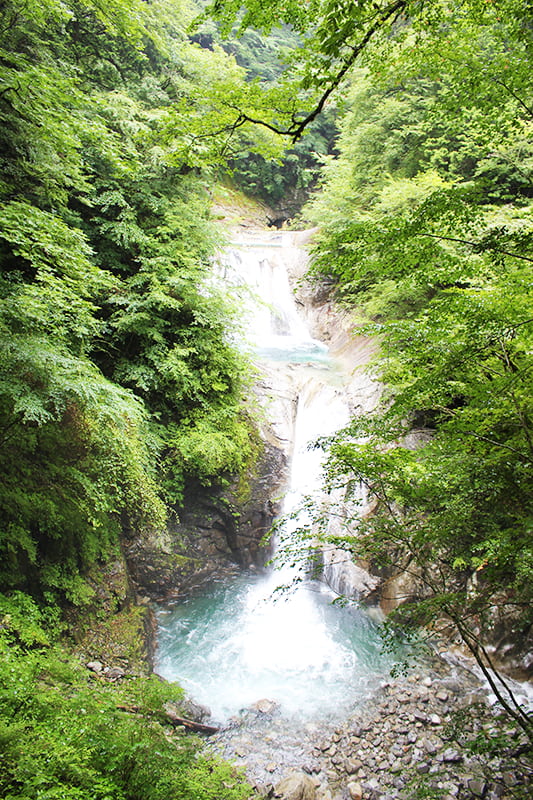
(172, 717)
(190, 724)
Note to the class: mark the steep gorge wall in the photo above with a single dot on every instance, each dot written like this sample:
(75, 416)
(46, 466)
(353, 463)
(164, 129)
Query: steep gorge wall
(217, 531)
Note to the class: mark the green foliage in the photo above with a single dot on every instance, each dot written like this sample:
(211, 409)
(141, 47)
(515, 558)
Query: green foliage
(66, 732)
(111, 334)
(288, 181)
(74, 454)
(470, 67)
(426, 234)
(280, 176)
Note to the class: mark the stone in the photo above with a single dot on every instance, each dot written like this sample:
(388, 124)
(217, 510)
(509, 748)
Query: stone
(442, 696)
(264, 706)
(296, 786)
(195, 711)
(95, 666)
(114, 673)
(478, 787)
(451, 756)
(451, 787)
(351, 765)
(475, 698)
(402, 728)
(509, 778)
(435, 719)
(263, 789)
(355, 790)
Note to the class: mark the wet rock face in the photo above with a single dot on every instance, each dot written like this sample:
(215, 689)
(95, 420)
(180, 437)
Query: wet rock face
(216, 532)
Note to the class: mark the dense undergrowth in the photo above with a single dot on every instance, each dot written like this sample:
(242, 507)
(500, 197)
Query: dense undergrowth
(69, 734)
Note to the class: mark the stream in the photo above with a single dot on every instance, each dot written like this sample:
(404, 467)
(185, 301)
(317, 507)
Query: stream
(245, 639)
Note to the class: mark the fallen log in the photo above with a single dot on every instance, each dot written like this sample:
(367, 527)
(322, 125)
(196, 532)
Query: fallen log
(190, 724)
(129, 709)
(198, 727)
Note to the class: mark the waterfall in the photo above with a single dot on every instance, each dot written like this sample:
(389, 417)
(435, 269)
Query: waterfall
(256, 271)
(247, 640)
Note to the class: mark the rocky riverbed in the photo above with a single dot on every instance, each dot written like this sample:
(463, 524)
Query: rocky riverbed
(424, 734)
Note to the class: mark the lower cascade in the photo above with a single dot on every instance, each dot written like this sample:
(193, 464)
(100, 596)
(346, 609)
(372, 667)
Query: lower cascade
(269, 635)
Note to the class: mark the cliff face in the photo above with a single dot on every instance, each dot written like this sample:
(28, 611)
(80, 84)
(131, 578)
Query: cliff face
(216, 532)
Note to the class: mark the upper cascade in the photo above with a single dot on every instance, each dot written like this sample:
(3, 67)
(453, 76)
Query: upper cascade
(256, 269)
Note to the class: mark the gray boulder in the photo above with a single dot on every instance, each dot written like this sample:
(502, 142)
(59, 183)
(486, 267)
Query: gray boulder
(296, 786)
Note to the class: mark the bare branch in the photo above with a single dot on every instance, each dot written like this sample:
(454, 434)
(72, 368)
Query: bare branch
(473, 244)
(297, 128)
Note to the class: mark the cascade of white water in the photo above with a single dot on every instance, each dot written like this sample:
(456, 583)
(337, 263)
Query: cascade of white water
(256, 272)
(247, 641)
(277, 332)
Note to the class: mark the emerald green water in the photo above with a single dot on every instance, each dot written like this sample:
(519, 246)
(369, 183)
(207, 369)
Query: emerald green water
(237, 644)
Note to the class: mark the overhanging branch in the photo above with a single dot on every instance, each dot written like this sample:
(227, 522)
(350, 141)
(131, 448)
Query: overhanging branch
(297, 127)
(475, 245)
